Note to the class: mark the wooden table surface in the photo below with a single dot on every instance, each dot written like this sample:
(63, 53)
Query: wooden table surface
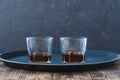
(107, 73)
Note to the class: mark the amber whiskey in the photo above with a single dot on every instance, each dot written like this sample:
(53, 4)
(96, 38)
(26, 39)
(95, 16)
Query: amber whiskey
(40, 57)
(72, 57)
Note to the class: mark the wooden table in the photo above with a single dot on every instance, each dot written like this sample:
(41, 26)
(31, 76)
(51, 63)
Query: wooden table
(108, 73)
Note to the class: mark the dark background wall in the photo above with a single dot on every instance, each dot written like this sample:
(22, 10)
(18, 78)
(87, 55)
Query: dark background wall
(99, 20)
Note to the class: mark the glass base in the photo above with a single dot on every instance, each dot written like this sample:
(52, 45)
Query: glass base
(64, 62)
(38, 62)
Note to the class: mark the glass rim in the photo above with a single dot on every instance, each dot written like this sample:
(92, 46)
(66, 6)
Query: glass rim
(44, 37)
(74, 38)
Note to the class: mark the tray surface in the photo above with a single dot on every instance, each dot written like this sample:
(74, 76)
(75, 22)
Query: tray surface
(94, 58)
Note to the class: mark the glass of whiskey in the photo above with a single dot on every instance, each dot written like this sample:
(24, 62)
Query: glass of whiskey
(39, 49)
(73, 49)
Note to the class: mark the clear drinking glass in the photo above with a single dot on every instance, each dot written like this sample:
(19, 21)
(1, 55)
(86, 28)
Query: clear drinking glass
(73, 49)
(39, 49)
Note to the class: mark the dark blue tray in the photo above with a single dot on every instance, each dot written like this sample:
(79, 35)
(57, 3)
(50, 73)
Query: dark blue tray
(94, 59)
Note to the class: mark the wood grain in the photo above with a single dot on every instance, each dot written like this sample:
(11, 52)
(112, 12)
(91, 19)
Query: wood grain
(109, 73)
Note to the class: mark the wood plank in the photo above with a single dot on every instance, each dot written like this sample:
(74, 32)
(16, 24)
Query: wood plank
(28, 75)
(72, 76)
(82, 76)
(110, 73)
(98, 75)
(63, 76)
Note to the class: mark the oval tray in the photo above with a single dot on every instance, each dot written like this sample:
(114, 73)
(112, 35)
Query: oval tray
(94, 59)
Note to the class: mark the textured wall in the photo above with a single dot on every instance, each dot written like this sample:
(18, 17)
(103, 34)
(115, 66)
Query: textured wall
(99, 20)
